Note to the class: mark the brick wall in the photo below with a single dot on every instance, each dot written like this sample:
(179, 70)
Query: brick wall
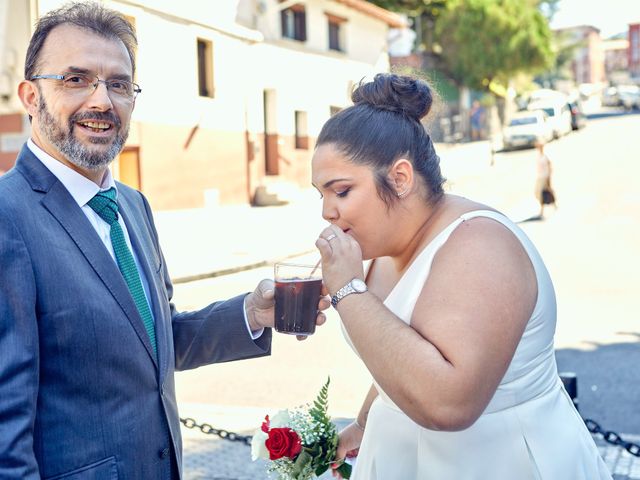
(14, 131)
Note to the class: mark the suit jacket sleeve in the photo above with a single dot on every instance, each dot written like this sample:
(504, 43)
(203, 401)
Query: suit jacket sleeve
(217, 333)
(18, 356)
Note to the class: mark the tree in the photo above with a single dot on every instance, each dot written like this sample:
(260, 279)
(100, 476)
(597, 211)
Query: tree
(485, 41)
(410, 7)
(548, 7)
(479, 42)
(565, 46)
(424, 14)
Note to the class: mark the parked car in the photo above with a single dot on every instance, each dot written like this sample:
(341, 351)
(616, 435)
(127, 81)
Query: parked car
(629, 96)
(559, 115)
(578, 118)
(527, 128)
(610, 97)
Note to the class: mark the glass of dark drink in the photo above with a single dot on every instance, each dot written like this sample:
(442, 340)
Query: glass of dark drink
(297, 295)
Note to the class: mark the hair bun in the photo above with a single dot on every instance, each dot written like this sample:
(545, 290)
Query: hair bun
(396, 93)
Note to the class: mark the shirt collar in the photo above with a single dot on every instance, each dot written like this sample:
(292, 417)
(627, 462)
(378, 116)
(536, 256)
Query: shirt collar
(80, 187)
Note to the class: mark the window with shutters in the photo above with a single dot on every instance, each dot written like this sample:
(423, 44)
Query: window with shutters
(205, 68)
(294, 23)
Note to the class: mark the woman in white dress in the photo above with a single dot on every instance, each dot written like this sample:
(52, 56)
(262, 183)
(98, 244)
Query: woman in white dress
(454, 316)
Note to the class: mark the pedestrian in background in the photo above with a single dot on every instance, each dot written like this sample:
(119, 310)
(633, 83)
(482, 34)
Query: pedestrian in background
(476, 118)
(89, 338)
(543, 190)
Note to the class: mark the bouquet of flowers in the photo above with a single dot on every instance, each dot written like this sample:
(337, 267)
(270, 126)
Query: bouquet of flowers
(300, 443)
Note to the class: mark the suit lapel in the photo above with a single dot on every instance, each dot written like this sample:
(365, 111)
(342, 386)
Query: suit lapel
(61, 205)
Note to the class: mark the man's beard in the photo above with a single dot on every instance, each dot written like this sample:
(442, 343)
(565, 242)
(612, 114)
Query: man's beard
(74, 151)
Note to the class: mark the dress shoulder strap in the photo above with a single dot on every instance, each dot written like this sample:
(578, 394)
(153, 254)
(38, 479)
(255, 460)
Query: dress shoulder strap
(403, 296)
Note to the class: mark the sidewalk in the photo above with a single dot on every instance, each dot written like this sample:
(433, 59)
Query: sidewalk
(207, 457)
(207, 242)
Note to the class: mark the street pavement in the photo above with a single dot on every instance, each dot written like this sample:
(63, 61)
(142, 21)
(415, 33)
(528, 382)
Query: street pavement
(208, 242)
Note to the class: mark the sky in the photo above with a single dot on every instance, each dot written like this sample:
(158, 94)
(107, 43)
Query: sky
(610, 16)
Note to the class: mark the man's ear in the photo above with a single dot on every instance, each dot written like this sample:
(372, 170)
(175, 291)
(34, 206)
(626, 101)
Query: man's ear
(29, 96)
(401, 176)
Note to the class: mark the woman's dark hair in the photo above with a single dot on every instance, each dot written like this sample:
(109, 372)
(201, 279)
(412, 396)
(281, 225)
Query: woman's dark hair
(89, 15)
(384, 125)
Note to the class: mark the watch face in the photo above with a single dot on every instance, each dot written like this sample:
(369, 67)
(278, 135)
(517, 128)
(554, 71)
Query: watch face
(358, 285)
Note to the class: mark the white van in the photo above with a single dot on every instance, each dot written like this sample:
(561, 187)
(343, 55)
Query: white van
(527, 128)
(558, 112)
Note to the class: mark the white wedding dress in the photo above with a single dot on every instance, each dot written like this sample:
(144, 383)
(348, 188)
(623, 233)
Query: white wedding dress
(530, 429)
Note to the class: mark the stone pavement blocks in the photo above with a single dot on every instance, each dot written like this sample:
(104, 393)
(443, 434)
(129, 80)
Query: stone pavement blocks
(207, 457)
(621, 464)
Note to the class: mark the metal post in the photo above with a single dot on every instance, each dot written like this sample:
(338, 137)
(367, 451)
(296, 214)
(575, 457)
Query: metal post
(570, 382)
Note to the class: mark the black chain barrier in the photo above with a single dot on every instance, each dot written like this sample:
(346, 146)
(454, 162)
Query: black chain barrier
(612, 437)
(569, 381)
(209, 430)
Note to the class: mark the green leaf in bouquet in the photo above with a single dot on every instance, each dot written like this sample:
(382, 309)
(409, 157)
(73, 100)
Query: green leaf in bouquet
(302, 460)
(332, 443)
(319, 410)
(323, 467)
(344, 470)
(315, 450)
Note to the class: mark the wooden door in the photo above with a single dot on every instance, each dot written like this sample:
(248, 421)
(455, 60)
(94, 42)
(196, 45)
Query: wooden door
(129, 167)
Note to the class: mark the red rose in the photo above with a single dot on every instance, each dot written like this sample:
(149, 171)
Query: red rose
(266, 424)
(283, 442)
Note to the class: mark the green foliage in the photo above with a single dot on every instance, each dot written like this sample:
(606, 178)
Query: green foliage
(483, 41)
(325, 450)
(302, 467)
(565, 47)
(548, 7)
(320, 405)
(411, 7)
(491, 40)
(424, 13)
(345, 470)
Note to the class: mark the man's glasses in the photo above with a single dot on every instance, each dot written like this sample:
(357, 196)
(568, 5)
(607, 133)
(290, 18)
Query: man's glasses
(86, 84)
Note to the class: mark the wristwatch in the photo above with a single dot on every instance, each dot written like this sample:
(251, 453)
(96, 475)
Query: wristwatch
(354, 286)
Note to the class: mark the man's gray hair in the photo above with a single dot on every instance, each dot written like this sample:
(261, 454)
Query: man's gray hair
(92, 16)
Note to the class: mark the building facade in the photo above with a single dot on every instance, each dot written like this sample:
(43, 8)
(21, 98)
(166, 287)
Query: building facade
(634, 51)
(588, 64)
(234, 92)
(616, 60)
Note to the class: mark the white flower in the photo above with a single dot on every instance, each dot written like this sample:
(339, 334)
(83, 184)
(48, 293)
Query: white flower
(280, 419)
(258, 448)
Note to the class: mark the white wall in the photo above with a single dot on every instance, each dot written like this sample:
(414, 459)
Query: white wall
(15, 30)
(305, 79)
(306, 75)
(365, 36)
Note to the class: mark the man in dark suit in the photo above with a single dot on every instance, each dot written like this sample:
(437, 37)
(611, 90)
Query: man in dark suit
(89, 338)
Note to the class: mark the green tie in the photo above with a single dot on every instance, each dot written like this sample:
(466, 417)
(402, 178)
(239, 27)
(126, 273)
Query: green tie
(104, 204)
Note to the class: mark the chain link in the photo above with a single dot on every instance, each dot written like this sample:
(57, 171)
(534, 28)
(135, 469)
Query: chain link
(612, 437)
(209, 430)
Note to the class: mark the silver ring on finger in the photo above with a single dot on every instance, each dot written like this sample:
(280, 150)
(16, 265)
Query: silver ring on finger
(331, 237)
